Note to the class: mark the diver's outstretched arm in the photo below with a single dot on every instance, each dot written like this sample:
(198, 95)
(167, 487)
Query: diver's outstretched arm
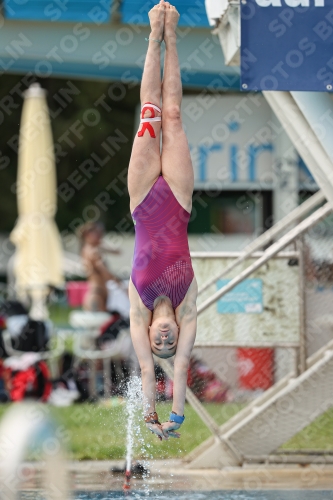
(140, 319)
(186, 316)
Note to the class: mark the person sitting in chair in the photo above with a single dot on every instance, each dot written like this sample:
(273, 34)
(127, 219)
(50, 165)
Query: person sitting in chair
(98, 274)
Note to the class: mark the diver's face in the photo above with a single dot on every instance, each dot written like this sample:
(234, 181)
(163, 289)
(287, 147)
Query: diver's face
(163, 335)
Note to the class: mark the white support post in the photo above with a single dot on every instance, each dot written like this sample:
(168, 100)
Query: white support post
(304, 139)
(285, 194)
(317, 108)
(39, 310)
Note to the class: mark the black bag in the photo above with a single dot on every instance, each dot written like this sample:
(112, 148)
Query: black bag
(111, 329)
(34, 335)
(8, 308)
(12, 308)
(33, 338)
(3, 352)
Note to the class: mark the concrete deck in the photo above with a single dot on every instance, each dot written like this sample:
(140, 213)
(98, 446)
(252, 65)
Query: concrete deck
(173, 475)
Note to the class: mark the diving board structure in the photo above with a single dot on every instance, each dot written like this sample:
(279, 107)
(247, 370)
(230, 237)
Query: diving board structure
(257, 431)
(306, 114)
(293, 402)
(270, 420)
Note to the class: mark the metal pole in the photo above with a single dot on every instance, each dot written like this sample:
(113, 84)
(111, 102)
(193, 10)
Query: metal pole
(287, 254)
(92, 377)
(268, 254)
(296, 362)
(269, 235)
(258, 345)
(302, 319)
(107, 377)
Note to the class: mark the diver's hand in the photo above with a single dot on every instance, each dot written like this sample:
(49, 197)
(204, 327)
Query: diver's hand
(170, 429)
(158, 430)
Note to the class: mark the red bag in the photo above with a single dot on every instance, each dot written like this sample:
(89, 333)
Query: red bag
(32, 382)
(255, 368)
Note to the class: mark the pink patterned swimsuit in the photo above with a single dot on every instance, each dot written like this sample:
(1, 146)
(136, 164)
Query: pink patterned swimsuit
(161, 263)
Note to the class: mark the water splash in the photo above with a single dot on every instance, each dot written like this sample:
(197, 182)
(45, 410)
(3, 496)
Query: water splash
(133, 396)
(136, 439)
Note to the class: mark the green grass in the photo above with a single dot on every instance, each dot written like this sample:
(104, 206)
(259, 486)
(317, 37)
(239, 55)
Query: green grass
(97, 433)
(316, 436)
(59, 314)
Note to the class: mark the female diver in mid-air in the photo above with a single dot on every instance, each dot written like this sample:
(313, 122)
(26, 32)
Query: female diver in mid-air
(163, 288)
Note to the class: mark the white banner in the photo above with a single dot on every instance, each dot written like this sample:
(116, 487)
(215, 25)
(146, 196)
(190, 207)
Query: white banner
(261, 310)
(233, 141)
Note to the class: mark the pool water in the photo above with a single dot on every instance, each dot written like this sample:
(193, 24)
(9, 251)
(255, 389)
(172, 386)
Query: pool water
(193, 495)
(211, 495)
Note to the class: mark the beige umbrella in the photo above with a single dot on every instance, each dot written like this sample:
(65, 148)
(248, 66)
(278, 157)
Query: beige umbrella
(38, 258)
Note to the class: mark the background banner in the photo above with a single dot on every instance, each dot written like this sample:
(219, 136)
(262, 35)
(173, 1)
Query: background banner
(287, 45)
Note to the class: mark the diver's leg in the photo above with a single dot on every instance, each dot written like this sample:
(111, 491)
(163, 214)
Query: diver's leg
(145, 162)
(177, 166)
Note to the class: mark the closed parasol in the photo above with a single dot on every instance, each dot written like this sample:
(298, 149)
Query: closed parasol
(38, 258)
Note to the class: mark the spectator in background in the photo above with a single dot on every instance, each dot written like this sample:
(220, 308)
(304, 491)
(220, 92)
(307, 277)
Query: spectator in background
(91, 235)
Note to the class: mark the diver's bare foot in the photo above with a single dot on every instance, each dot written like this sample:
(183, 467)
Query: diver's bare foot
(156, 18)
(171, 21)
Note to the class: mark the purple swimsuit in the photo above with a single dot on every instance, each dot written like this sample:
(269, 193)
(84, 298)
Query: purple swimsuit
(162, 263)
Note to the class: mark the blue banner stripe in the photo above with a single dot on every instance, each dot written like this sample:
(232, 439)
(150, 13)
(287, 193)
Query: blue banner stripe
(89, 11)
(192, 12)
(126, 74)
(285, 47)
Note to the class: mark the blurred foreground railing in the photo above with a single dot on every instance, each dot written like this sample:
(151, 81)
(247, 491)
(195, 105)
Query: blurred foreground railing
(26, 428)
